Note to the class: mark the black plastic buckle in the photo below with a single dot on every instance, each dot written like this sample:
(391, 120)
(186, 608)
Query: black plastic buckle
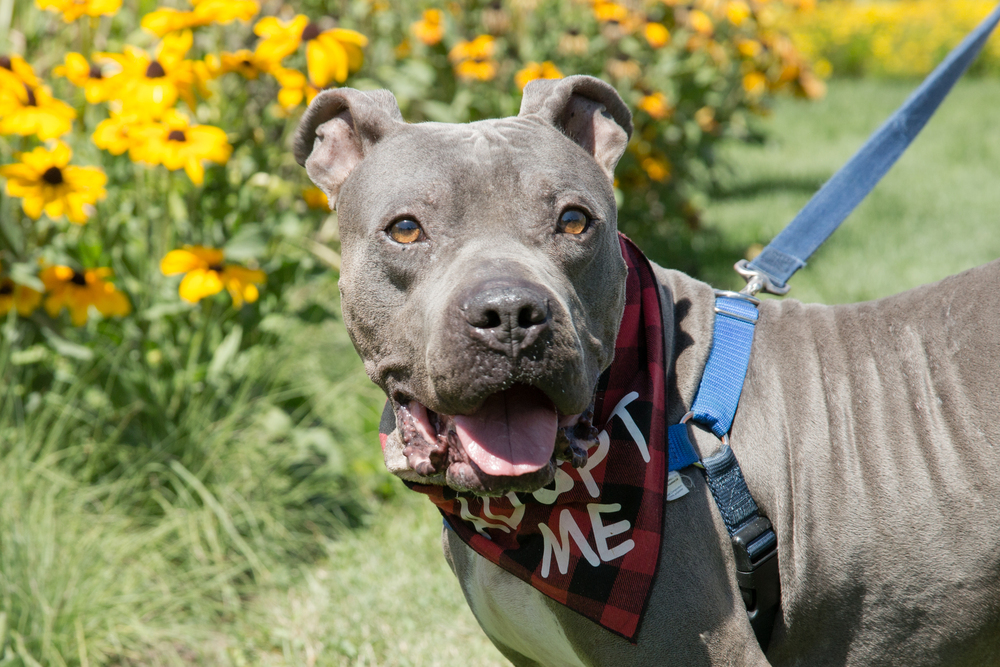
(756, 549)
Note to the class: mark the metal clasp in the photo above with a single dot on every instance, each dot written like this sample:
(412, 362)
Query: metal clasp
(757, 281)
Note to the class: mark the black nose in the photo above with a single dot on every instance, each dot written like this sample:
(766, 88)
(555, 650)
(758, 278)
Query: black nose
(508, 316)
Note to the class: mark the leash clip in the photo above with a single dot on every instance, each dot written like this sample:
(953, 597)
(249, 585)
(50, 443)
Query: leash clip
(757, 280)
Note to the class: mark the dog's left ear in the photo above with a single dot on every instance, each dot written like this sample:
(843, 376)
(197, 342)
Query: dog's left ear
(338, 129)
(587, 110)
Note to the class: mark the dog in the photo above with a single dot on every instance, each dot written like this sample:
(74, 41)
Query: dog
(484, 286)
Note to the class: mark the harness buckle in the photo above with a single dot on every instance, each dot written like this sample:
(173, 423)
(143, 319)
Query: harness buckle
(757, 280)
(755, 547)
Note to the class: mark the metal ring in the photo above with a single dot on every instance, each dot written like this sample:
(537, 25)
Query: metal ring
(737, 295)
(687, 417)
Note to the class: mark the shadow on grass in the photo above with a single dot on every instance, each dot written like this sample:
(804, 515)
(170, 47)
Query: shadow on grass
(749, 189)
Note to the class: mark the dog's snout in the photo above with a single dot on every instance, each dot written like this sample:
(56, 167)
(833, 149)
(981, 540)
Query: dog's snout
(509, 317)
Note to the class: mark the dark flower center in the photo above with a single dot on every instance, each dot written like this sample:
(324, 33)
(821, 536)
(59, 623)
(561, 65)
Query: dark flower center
(32, 100)
(6, 287)
(215, 267)
(79, 279)
(311, 31)
(247, 63)
(155, 70)
(95, 72)
(496, 5)
(622, 57)
(176, 135)
(573, 32)
(5, 62)
(53, 176)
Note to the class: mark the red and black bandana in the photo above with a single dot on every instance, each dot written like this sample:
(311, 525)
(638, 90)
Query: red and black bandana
(591, 539)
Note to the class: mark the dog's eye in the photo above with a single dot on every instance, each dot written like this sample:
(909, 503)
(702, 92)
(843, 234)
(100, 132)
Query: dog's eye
(573, 221)
(406, 231)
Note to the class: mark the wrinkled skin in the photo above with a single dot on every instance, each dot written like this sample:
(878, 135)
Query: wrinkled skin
(868, 433)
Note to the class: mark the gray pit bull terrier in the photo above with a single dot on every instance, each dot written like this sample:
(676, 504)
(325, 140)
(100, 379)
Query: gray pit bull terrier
(483, 285)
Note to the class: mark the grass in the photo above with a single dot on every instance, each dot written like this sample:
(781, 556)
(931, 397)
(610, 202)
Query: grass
(212, 563)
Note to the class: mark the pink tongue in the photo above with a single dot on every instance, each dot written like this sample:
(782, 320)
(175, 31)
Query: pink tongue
(513, 433)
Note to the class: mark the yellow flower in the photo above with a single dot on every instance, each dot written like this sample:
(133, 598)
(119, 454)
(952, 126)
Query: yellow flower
(330, 54)
(166, 20)
(121, 132)
(700, 22)
(737, 12)
(316, 198)
(151, 85)
(657, 35)
(294, 88)
(532, 71)
(244, 61)
(755, 84)
(749, 48)
(74, 9)
(78, 291)
(205, 275)
(177, 144)
(44, 182)
(21, 297)
(610, 11)
(657, 169)
(14, 70)
(90, 76)
(25, 111)
(473, 60)
(430, 28)
(656, 105)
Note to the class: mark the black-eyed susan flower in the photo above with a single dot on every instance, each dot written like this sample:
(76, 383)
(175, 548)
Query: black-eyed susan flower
(623, 67)
(77, 291)
(245, 62)
(89, 76)
(330, 54)
(316, 198)
(19, 297)
(71, 10)
(166, 20)
(122, 132)
(430, 28)
(176, 144)
(25, 111)
(45, 181)
(658, 169)
(533, 70)
(206, 275)
(737, 12)
(474, 60)
(656, 34)
(700, 22)
(573, 43)
(656, 105)
(149, 85)
(294, 87)
(16, 70)
(755, 84)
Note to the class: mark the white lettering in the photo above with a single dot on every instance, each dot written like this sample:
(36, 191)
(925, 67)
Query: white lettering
(603, 445)
(560, 547)
(563, 484)
(602, 532)
(630, 424)
(514, 520)
(478, 523)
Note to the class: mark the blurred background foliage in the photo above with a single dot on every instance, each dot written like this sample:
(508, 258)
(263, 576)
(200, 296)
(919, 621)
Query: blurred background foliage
(170, 446)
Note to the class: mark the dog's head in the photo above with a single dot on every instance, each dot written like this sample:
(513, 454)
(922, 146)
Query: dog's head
(482, 279)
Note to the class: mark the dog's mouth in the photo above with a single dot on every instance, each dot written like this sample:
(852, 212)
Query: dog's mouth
(512, 442)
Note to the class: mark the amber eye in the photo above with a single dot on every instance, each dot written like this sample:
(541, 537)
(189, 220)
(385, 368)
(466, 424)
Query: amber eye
(406, 231)
(573, 221)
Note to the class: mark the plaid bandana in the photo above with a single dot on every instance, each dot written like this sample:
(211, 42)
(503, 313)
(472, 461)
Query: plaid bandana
(591, 539)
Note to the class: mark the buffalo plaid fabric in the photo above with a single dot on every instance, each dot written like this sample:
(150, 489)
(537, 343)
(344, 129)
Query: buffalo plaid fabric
(591, 539)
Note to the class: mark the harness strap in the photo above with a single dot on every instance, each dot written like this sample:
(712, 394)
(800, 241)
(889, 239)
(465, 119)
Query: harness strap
(790, 249)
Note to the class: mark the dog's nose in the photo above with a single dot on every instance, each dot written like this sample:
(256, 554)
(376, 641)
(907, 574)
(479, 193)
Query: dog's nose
(508, 317)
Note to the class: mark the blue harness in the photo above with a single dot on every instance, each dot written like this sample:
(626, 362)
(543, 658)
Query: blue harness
(755, 545)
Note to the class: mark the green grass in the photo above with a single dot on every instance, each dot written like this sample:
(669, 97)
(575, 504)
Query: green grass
(230, 559)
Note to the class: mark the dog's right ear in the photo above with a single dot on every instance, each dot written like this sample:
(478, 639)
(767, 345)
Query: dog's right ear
(338, 129)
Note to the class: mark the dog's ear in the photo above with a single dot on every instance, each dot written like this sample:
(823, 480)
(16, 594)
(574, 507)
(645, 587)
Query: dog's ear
(338, 129)
(587, 110)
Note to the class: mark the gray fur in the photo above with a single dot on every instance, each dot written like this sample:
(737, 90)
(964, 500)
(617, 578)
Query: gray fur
(868, 433)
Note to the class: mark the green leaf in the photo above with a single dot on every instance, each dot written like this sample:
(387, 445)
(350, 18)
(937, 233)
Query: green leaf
(66, 348)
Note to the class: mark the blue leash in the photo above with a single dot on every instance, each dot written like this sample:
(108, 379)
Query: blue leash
(754, 541)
